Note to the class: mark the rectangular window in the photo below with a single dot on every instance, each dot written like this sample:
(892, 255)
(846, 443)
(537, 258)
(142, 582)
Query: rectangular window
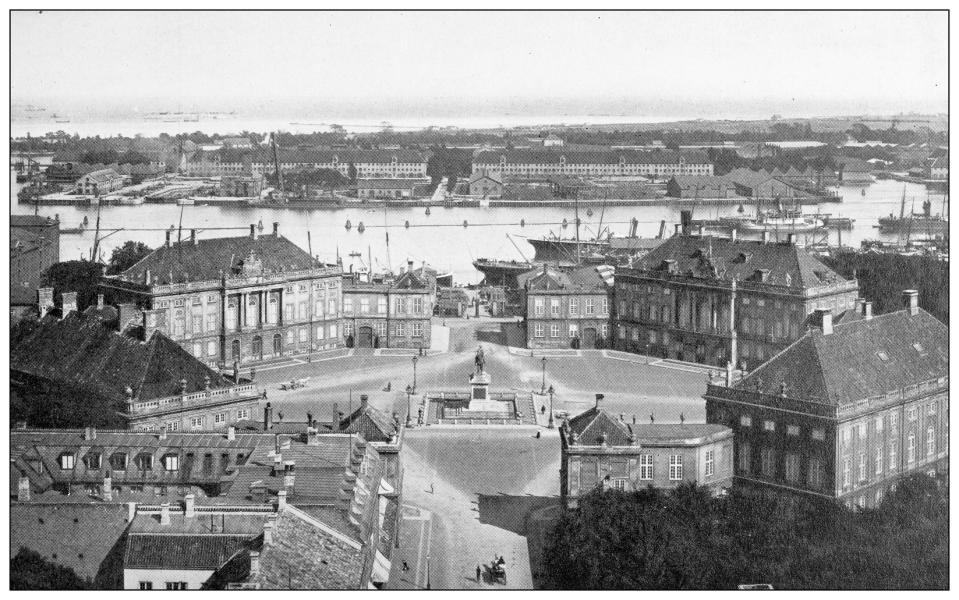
(554, 307)
(893, 422)
(417, 330)
(792, 430)
(818, 434)
(878, 461)
(364, 305)
(792, 467)
(878, 424)
(401, 329)
(197, 323)
(930, 442)
(331, 307)
(892, 456)
(767, 458)
(912, 414)
(146, 585)
(604, 306)
(418, 306)
(619, 483)
(67, 461)
(710, 463)
(210, 323)
(646, 467)
(862, 466)
(242, 413)
(746, 421)
(745, 458)
(816, 473)
(573, 330)
(769, 426)
(196, 423)
(676, 467)
(554, 330)
(539, 307)
(288, 312)
(381, 306)
(331, 331)
(862, 430)
(173, 426)
(911, 449)
(171, 462)
(574, 307)
(347, 304)
(846, 481)
(589, 307)
(538, 330)
(303, 334)
(211, 348)
(290, 336)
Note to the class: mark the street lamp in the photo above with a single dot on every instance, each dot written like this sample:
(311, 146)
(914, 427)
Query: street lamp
(414, 374)
(551, 424)
(542, 389)
(409, 405)
(428, 571)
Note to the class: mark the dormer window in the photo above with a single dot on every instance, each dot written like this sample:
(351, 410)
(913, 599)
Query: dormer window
(171, 462)
(118, 462)
(67, 460)
(92, 461)
(144, 461)
(882, 355)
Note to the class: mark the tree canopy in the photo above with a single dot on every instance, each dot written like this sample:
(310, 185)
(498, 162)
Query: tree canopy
(687, 539)
(127, 255)
(80, 276)
(30, 571)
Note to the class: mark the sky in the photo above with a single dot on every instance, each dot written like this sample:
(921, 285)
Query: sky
(701, 64)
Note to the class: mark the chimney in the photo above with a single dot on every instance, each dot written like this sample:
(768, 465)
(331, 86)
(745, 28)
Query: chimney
(252, 231)
(167, 243)
(678, 229)
(598, 398)
(858, 305)
(791, 239)
(364, 401)
(45, 300)
(69, 303)
(686, 220)
(193, 240)
(147, 277)
(729, 373)
(268, 533)
(277, 465)
(289, 474)
(99, 301)
(23, 489)
(866, 310)
(409, 264)
(231, 433)
(89, 434)
(336, 418)
(165, 513)
(823, 318)
(162, 432)
(910, 299)
(765, 236)
(189, 506)
(131, 511)
(153, 320)
(280, 500)
(268, 417)
(107, 491)
(732, 234)
(126, 312)
(254, 563)
(276, 228)
(183, 387)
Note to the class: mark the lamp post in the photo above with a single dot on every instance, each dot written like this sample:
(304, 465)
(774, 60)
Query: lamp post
(428, 586)
(551, 424)
(414, 374)
(542, 389)
(409, 406)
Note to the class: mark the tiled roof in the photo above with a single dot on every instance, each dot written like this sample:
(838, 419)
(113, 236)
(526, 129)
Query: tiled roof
(480, 175)
(192, 552)
(850, 165)
(79, 536)
(305, 554)
(611, 157)
(591, 425)
(79, 350)
(848, 365)
(371, 423)
(727, 259)
(103, 175)
(209, 258)
(585, 279)
(385, 184)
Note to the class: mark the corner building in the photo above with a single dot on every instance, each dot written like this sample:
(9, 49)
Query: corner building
(716, 300)
(240, 299)
(845, 411)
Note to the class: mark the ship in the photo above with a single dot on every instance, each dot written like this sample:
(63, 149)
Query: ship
(786, 222)
(915, 223)
(503, 272)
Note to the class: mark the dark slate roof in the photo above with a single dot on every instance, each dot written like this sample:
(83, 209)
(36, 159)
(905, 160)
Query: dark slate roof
(612, 157)
(79, 536)
(386, 184)
(79, 350)
(195, 552)
(846, 366)
(727, 259)
(852, 164)
(410, 280)
(208, 259)
(371, 423)
(307, 554)
(594, 423)
(103, 175)
(341, 156)
(32, 221)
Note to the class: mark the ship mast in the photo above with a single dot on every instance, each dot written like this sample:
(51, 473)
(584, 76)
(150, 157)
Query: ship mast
(578, 255)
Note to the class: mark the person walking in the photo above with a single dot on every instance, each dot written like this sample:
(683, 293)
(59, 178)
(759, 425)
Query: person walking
(479, 573)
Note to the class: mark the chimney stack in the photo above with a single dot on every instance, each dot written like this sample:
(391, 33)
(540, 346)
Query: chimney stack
(89, 434)
(678, 229)
(167, 243)
(858, 305)
(69, 303)
(267, 533)
(162, 432)
(866, 310)
(280, 500)
(231, 433)
(732, 234)
(165, 513)
(824, 320)
(254, 563)
(364, 401)
(277, 464)
(268, 417)
(729, 373)
(765, 236)
(598, 398)
(910, 299)
(289, 474)
(107, 491)
(686, 220)
(131, 511)
(189, 506)
(99, 301)
(276, 228)
(252, 231)
(153, 320)
(336, 418)
(23, 489)
(147, 277)
(45, 300)
(193, 239)
(409, 264)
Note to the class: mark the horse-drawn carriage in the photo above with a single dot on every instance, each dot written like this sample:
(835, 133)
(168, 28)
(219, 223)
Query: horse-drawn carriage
(496, 571)
(294, 384)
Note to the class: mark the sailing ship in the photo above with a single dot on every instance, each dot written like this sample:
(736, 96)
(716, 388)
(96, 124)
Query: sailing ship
(915, 223)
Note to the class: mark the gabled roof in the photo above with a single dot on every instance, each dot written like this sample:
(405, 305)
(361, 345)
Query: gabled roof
(557, 156)
(80, 350)
(371, 423)
(208, 259)
(103, 175)
(182, 552)
(849, 365)
(584, 279)
(596, 424)
(265, 156)
(727, 259)
(409, 280)
(481, 175)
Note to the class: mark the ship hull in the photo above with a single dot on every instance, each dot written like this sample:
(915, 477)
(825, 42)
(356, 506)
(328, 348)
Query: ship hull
(933, 226)
(548, 250)
(502, 272)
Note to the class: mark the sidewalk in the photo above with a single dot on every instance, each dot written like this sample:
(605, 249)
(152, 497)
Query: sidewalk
(416, 537)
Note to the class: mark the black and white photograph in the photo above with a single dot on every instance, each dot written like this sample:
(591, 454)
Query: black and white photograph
(478, 300)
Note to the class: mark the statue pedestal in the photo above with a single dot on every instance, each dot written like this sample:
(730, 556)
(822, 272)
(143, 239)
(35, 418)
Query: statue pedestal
(479, 395)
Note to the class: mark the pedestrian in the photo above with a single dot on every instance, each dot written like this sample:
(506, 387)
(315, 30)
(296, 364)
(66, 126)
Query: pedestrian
(479, 573)
(406, 567)
(431, 488)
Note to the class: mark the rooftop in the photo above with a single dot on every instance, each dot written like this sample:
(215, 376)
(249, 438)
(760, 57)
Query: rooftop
(596, 426)
(544, 156)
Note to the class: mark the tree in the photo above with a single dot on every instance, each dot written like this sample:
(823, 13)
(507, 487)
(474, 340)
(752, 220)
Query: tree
(31, 571)
(80, 276)
(351, 172)
(127, 255)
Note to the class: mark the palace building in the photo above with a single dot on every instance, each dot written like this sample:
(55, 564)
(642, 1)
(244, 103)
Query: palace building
(716, 300)
(389, 164)
(601, 163)
(846, 410)
(236, 300)
(388, 312)
(567, 308)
